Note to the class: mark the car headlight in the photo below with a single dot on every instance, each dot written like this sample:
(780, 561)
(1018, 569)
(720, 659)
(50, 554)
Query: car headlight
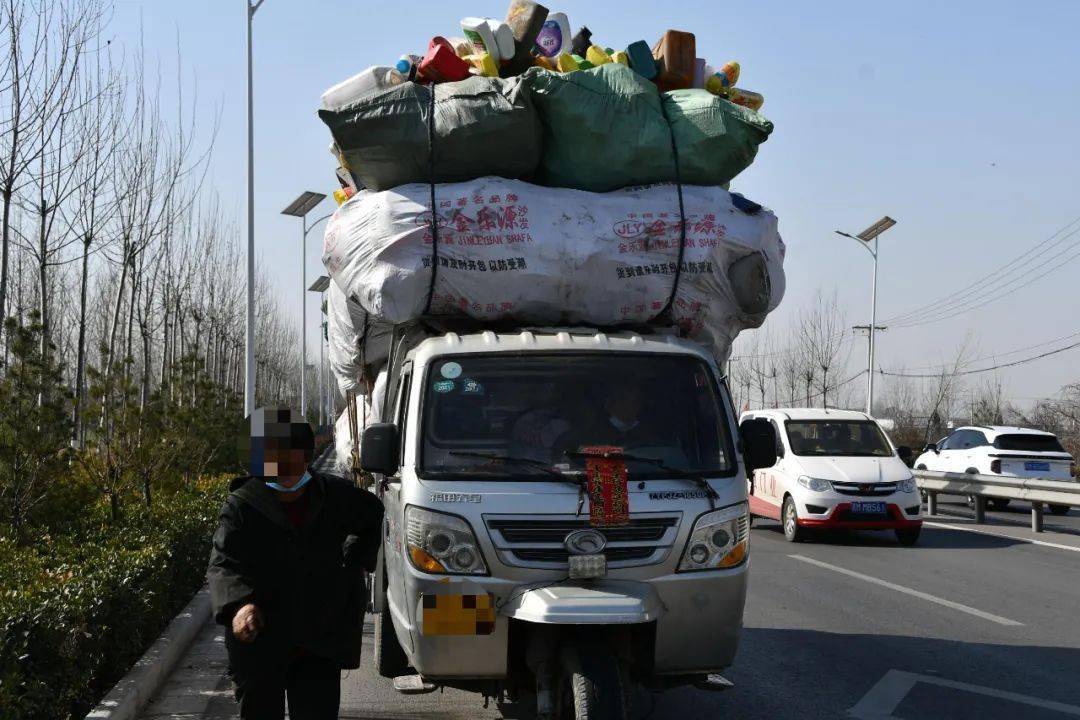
(442, 544)
(719, 540)
(908, 485)
(815, 484)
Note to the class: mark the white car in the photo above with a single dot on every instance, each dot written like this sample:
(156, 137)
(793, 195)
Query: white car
(1000, 450)
(835, 469)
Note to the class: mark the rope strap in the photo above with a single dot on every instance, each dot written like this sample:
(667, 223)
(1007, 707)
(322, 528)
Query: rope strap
(434, 211)
(666, 311)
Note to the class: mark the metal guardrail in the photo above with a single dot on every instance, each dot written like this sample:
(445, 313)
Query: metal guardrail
(1037, 491)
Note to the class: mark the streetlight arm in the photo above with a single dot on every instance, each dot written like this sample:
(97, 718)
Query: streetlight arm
(861, 243)
(252, 7)
(311, 227)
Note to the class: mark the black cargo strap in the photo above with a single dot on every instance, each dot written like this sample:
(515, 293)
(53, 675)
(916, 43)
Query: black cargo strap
(666, 311)
(434, 210)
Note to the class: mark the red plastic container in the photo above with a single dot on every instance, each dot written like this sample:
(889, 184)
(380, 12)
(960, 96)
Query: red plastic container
(442, 64)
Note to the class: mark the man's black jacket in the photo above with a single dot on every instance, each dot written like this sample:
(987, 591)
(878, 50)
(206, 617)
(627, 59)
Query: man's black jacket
(307, 583)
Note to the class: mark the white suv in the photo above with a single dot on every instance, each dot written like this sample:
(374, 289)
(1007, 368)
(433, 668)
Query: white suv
(999, 450)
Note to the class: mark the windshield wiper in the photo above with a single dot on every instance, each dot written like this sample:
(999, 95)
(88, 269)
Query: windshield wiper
(532, 462)
(698, 480)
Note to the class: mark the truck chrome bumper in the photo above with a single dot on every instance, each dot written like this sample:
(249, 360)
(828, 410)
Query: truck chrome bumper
(698, 618)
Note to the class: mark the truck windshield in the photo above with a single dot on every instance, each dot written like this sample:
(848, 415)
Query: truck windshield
(837, 437)
(541, 411)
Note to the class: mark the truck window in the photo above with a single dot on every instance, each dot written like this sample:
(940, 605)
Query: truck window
(541, 407)
(402, 414)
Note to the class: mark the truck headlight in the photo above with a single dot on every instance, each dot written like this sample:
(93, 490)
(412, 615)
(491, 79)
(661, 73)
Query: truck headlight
(442, 544)
(815, 484)
(908, 485)
(719, 540)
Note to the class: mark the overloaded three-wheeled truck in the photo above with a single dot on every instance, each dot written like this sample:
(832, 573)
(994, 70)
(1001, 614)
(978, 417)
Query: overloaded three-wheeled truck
(566, 516)
(538, 271)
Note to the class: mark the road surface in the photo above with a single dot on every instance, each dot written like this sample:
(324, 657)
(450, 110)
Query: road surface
(965, 625)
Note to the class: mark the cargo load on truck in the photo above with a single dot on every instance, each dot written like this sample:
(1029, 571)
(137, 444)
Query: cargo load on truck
(522, 176)
(504, 251)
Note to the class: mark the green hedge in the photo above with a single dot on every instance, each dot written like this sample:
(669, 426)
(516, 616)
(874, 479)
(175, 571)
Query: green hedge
(77, 610)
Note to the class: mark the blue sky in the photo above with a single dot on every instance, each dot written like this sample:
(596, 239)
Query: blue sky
(958, 119)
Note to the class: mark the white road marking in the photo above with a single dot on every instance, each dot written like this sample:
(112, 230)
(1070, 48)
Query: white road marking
(980, 531)
(883, 699)
(909, 591)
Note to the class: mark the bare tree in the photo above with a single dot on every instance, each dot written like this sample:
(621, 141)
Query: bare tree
(822, 333)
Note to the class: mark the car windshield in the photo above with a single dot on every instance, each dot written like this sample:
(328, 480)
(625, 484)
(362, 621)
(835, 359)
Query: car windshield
(837, 437)
(1028, 443)
(522, 415)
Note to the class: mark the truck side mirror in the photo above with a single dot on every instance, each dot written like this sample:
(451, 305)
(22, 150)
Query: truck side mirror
(904, 453)
(759, 444)
(379, 449)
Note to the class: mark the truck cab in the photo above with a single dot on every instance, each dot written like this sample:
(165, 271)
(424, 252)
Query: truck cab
(502, 570)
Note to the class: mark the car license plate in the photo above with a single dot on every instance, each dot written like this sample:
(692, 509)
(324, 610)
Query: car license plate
(1037, 466)
(868, 508)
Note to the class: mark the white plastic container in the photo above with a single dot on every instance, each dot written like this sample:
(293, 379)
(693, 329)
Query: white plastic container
(554, 37)
(375, 78)
(488, 35)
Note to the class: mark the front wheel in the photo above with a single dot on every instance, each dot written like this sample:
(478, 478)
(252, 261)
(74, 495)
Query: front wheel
(792, 531)
(1058, 509)
(596, 685)
(908, 536)
(998, 503)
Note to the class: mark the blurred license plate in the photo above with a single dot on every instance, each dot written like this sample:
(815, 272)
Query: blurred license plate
(1037, 466)
(868, 508)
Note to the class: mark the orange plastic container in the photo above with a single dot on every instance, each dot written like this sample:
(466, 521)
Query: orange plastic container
(675, 54)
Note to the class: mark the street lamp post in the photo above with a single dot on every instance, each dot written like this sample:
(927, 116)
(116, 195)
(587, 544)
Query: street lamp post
(865, 237)
(320, 285)
(300, 207)
(249, 334)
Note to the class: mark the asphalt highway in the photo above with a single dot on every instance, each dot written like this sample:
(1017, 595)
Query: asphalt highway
(964, 625)
(974, 622)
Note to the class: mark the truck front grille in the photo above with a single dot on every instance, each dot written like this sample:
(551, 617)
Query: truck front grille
(538, 541)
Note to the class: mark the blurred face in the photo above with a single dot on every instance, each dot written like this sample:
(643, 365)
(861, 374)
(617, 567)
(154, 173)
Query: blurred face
(286, 464)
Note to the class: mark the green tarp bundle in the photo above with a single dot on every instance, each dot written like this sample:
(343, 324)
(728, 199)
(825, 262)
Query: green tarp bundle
(483, 126)
(604, 129)
(596, 130)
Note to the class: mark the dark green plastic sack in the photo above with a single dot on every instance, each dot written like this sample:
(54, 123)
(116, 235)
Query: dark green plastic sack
(483, 126)
(604, 129)
(717, 139)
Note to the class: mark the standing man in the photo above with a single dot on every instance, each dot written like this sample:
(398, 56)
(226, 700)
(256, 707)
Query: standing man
(286, 576)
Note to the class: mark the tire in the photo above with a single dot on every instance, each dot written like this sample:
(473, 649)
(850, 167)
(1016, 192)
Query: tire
(1058, 509)
(789, 517)
(390, 659)
(997, 503)
(596, 685)
(908, 536)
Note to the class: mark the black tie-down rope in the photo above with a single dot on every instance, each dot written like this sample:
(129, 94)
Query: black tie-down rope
(665, 313)
(434, 210)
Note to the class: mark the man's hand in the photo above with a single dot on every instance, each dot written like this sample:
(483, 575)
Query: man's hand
(246, 623)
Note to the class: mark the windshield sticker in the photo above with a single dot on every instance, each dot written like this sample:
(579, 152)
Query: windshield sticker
(450, 370)
(471, 387)
(443, 386)
(678, 495)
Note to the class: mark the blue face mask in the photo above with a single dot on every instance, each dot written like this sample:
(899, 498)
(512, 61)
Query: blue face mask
(304, 480)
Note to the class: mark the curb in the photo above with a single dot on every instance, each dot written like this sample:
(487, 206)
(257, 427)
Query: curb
(131, 695)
